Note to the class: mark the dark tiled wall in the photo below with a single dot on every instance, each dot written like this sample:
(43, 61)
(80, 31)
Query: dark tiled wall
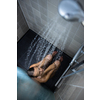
(22, 26)
(39, 13)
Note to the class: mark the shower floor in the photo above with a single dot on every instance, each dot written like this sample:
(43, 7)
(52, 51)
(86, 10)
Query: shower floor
(22, 47)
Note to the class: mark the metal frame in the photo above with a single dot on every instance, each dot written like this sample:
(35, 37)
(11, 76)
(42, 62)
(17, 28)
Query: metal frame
(77, 55)
(73, 73)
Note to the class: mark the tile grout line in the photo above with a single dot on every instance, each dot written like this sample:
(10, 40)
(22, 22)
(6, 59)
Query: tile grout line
(64, 90)
(59, 95)
(68, 33)
(77, 30)
(39, 9)
(78, 94)
(75, 33)
(52, 4)
(23, 13)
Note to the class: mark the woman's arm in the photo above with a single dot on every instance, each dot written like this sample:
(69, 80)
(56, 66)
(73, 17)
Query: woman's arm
(35, 65)
(45, 78)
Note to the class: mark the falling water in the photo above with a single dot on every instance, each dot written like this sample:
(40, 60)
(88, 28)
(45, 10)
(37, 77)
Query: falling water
(33, 45)
(40, 47)
(65, 39)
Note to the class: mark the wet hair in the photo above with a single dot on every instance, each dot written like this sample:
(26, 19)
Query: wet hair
(30, 72)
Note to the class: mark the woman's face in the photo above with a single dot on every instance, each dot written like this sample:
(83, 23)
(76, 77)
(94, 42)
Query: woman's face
(38, 71)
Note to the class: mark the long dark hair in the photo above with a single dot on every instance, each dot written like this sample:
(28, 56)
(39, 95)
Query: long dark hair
(30, 72)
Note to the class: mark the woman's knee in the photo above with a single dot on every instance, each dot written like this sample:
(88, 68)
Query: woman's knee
(57, 63)
(49, 57)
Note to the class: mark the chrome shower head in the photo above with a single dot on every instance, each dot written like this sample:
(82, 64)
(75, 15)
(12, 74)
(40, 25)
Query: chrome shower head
(71, 10)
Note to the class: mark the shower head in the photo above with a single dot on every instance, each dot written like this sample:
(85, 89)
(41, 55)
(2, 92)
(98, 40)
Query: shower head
(71, 10)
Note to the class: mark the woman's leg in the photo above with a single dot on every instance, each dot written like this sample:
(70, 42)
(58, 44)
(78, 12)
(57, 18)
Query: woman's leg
(55, 65)
(47, 59)
(44, 78)
(35, 65)
(50, 71)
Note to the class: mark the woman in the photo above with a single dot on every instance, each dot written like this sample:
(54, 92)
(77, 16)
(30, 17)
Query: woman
(41, 75)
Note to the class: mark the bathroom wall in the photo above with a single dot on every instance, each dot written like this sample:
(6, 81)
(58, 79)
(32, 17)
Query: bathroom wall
(39, 13)
(22, 26)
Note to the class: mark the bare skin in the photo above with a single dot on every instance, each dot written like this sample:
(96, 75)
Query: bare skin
(44, 75)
